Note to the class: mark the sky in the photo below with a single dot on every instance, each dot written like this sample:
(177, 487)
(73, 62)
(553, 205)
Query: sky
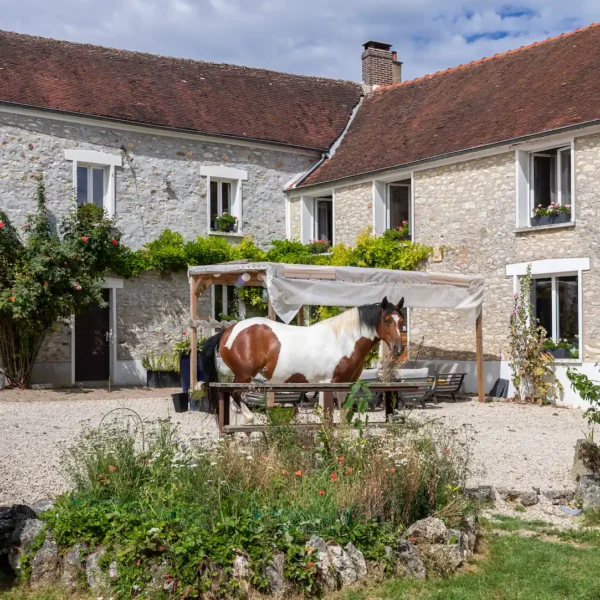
(308, 37)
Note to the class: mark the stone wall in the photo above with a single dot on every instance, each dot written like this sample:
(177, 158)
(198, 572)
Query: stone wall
(152, 313)
(469, 209)
(159, 186)
(353, 211)
(295, 227)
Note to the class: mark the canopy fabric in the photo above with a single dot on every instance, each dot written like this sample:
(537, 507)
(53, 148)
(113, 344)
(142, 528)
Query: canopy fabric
(292, 286)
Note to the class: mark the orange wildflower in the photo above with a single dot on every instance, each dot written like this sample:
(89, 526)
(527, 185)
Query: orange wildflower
(112, 469)
(322, 492)
(298, 473)
(334, 477)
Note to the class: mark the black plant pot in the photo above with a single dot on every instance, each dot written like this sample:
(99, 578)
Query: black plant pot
(537, 221)
(180, 402)
(162, 379)
(184, 368)
(551, 219)
(562, 218)
(560, 353)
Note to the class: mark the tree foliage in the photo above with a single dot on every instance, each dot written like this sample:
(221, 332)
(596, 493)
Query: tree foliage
(48, 274)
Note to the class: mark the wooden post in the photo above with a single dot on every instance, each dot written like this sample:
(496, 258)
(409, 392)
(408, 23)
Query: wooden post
(300, 319)
(328, 407)
(271, 395)
(224, 409)
(479, 347)
(194, 333)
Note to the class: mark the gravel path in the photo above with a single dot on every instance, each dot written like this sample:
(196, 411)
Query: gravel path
(513, 446)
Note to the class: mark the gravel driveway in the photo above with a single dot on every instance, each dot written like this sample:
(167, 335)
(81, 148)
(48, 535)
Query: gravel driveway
(513, 446)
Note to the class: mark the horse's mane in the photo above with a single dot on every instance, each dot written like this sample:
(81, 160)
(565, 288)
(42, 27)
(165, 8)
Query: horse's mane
(362, 319)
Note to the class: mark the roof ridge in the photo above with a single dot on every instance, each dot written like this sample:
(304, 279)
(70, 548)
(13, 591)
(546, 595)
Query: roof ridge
(169, 57)
(486, 59)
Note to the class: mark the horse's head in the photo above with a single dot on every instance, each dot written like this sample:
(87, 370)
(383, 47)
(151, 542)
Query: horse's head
(390, 325)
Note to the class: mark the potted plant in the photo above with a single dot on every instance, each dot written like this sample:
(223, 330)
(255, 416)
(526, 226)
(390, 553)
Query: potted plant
(226, 222)
(162, 370)
(550, 215)
(559, 349)
(398, 234)
(182, 349)
(318, 246)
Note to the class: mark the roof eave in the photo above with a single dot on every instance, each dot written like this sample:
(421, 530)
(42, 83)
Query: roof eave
(457, 153)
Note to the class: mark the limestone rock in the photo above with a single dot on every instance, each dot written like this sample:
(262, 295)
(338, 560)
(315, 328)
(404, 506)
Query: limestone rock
(482, 493)
(343, 565)
(24, 533)
(358, 558)
(556, 497)
(470, 529)
(529, 498)
(442, 559)
(326, 574)
(586, 458)
(430, 530)
(41, 506)
(73, 568)
(588, 491)
(317, 543)
(241, 569)
(44, 567)
(278, 585)
(97, 579)
(408, 560)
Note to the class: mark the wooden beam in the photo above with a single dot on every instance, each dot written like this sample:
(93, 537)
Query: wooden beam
(194, 332)
(272, 313)
(271, 395)
(301, 317)
(479, 348)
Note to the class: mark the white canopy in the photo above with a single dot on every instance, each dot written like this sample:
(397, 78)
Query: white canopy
(292, 286)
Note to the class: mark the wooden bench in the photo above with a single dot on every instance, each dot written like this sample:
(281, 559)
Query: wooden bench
(424, 388)
(449, 384)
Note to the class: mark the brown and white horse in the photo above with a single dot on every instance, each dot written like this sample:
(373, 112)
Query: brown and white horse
(329, 351)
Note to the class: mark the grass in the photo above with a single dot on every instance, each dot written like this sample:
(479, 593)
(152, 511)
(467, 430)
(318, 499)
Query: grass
(512, 568)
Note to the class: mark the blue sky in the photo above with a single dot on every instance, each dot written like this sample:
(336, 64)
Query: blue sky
(312, 37)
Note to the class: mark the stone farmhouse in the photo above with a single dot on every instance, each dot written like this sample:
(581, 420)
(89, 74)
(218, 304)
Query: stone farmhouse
(464, 155)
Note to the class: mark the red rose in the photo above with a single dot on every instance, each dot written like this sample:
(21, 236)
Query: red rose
(114, 241)
(84, 239)
(1, 225)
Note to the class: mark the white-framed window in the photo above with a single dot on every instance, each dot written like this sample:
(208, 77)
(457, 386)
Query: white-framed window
(557, 298)
(224, 195)
(94, 178)
(324, 220)
(556, 306)
(225, 303)
(545, 177)
(398, 206)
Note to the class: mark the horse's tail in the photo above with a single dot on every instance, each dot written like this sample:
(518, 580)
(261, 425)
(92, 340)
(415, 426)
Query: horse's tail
(208, 355)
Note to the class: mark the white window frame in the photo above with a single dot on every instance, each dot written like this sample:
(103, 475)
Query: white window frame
(230, 175)
(388, 204)
(554, 269)
(97, 160)
(308, 216)
(524, 164)
(316, 216)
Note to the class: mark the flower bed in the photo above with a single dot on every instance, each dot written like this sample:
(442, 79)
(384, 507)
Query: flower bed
(287, 510)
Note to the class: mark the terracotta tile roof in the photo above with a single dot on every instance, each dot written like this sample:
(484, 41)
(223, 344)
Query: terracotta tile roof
(184, 94)
(534, 89)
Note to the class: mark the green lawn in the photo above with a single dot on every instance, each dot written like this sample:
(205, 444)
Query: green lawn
(515, 568)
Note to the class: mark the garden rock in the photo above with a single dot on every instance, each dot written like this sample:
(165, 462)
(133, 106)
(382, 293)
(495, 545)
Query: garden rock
(529, 498)
(73, 568)
(317, 543)
(44, 567)
(42, 506)
(159, 573)
(24, 533)
(556, 497)
(482, 493)
(588, 491)
(586, 454)
(97, 579)
(430, 530)
(470, 529)
(278, 585)
(241, 569)
(343, 565)
(11, 524)
(442, 559)
(358, 559)
(407, 560)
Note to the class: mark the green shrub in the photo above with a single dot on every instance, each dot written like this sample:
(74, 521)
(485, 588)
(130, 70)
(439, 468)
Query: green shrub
(149, 497)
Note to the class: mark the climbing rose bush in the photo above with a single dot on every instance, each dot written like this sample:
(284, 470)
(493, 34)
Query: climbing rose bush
(48, 274)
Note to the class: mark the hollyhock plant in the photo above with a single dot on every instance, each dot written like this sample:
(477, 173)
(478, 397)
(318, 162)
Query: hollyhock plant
(32, 256)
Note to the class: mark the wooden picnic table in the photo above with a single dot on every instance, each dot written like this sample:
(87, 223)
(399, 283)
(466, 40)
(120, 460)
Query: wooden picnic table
(225, 390)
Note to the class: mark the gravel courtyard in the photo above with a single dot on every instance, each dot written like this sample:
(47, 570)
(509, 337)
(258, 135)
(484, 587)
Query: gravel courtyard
(512, 446)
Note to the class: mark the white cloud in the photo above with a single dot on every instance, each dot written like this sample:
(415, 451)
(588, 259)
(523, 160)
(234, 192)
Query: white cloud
(316, 37)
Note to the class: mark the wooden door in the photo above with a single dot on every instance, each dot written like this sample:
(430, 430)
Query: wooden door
(92, 345)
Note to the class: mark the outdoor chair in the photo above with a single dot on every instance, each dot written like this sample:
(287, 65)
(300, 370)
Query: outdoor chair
(449, 384)
(421, 380)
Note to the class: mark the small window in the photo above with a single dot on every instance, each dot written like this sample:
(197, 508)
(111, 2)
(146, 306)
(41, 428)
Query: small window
(91, 185)
(225, 305)
(221, 204)
(556, 306)
(550, 181)
(324, 220)
(398, 206)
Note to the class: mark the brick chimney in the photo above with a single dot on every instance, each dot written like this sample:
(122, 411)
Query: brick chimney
(379, 64)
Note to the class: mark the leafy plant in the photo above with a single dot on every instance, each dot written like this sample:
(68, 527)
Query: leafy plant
(589, 390)
(48, 275)
(551, 210)
(226, 222)
(397, 234)
(318, 246)
(532, 373)
(183, 346)
(167, 361)
(356, 405)
(550, 344)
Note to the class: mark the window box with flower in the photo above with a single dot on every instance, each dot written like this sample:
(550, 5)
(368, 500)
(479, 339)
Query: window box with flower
(397, 234)
(318, 246)
(560, 349)
(553, 214)
(225, 223)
